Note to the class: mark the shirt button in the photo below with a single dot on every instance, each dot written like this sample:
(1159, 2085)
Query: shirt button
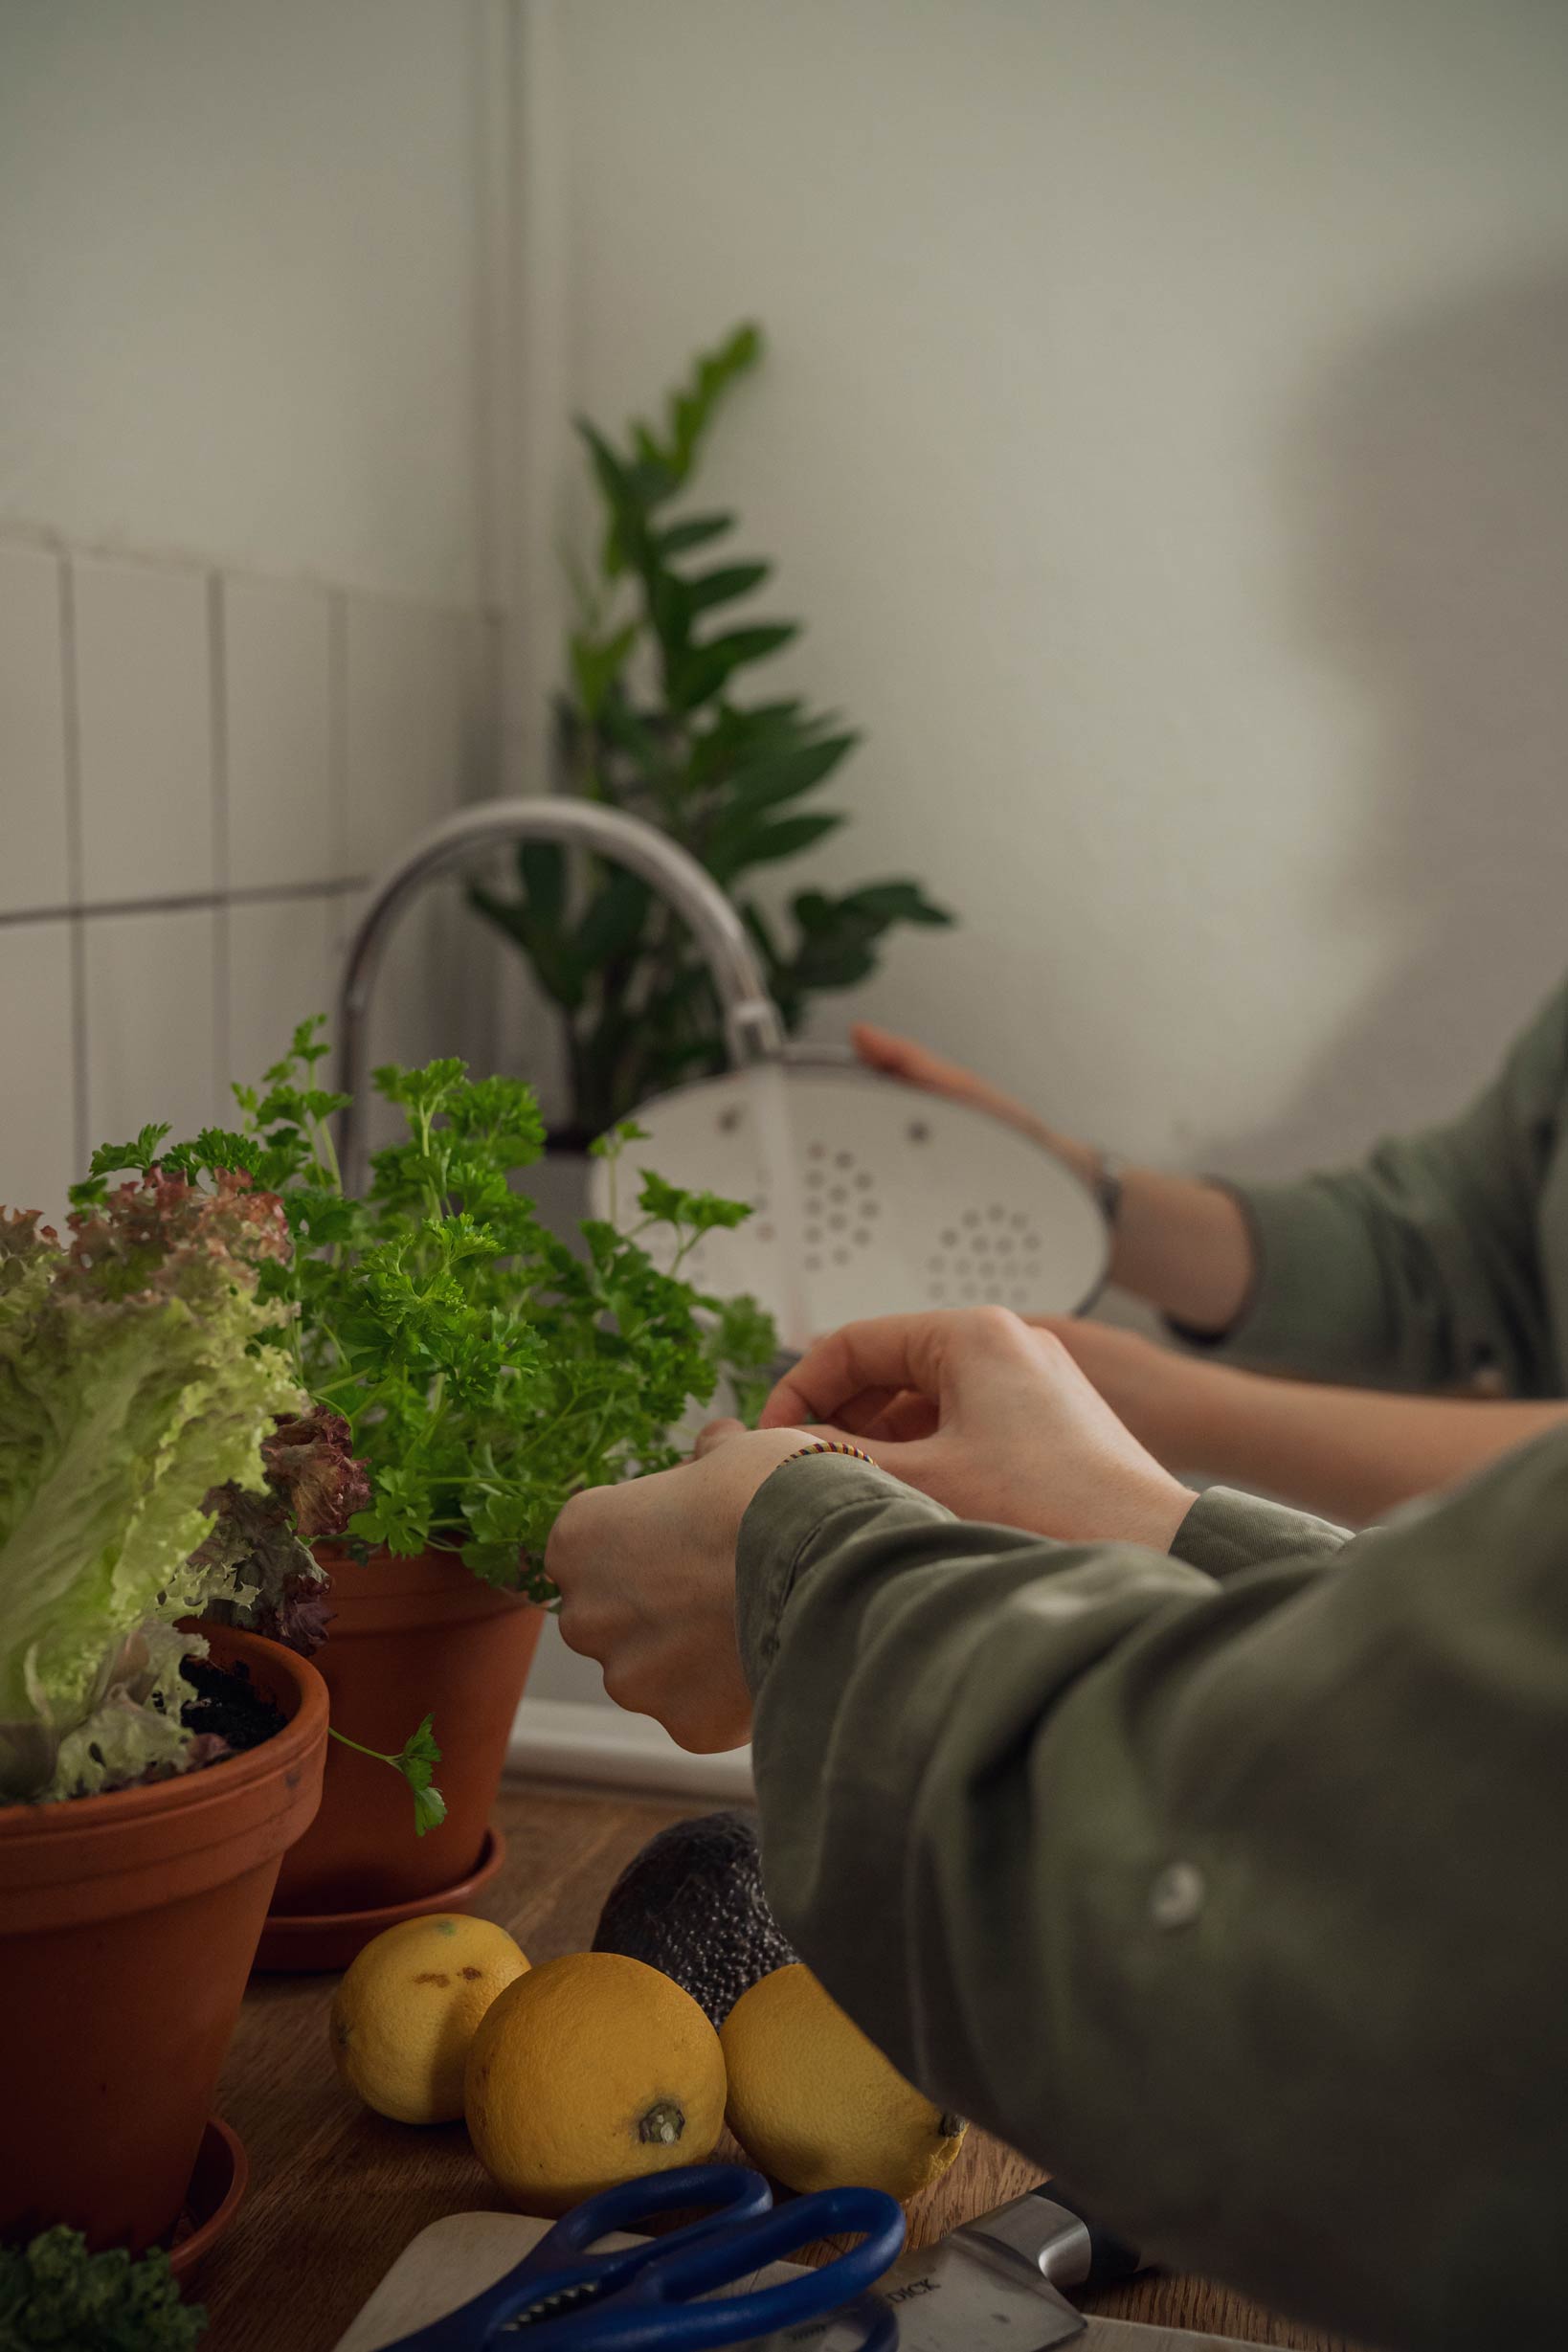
(1177, 1895)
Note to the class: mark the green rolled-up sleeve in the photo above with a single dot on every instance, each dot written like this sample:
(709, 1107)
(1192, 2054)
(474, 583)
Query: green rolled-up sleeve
(1421, 1268)
(1228, 1884)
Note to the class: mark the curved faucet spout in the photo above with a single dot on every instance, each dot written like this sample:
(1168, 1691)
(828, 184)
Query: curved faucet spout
(751, 1026)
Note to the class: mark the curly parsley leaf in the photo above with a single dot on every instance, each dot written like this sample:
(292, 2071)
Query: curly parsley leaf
(54, 2292)
(417, 1761)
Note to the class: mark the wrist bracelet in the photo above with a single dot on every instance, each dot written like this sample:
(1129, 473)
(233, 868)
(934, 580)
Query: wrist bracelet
(828, 1445)
(1107, 1186)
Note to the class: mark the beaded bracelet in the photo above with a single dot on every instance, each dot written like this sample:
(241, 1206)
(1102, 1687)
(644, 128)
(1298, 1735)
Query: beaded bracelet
(828, 1445)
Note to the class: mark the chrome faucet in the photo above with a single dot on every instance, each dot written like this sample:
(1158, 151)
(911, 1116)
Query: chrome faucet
(751, 1026)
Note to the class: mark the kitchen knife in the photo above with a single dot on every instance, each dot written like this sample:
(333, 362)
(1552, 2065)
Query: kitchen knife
(998, 2281)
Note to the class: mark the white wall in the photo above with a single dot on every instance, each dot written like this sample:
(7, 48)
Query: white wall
(246, 282)
(253, 319)
(1166, 436)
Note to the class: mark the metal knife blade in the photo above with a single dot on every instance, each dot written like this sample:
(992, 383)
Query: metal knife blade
(949, 2300)
(989, 2284)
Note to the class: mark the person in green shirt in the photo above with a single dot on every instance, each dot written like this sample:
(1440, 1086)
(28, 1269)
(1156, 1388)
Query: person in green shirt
(1440, 1266)
(1210, 1855)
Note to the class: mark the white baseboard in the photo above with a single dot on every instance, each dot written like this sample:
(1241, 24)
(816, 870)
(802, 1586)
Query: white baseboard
(567, 1739)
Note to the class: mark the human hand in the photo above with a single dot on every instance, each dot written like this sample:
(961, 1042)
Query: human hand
(990, 1416)
(1171, 1403)
(900, 1057)
(646, 1573)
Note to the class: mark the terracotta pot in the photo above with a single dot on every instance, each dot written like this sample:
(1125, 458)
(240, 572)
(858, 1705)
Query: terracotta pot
(409, 1638)
(128, 1927)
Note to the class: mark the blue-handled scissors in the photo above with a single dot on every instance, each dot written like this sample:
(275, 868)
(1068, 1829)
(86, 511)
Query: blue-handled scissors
(564, 2298)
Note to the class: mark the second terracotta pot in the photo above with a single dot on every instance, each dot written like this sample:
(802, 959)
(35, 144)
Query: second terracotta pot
(408, 1638)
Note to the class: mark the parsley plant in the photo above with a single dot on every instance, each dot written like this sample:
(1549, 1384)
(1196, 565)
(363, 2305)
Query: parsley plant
(486, 1373)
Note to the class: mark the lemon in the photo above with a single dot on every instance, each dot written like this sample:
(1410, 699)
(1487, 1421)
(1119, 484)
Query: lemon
(815, 2105)
(587, 2070)
(405, 2012)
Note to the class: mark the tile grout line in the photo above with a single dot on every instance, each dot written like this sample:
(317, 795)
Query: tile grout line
(74, 859)
(337, 683)
(218, 678)
(52, 541)
(258, 894)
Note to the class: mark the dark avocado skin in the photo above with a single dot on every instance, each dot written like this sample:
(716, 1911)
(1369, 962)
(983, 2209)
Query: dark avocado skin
(691, 1904)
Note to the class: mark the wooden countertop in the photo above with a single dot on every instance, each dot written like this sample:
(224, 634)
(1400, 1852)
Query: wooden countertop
(336, 2193)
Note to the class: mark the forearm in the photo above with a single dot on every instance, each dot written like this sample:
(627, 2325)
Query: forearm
(1352, 1454)
(1186, 1886)
(1182, 1245)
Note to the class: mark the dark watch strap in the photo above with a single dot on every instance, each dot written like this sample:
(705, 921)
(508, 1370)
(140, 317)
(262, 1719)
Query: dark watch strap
(1108, 1186)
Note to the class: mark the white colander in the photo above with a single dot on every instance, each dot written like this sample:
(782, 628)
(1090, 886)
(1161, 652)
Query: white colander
(902, 1201)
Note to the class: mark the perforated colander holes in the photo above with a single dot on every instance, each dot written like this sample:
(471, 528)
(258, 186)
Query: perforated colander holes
(986, 1259)
(841, 1206)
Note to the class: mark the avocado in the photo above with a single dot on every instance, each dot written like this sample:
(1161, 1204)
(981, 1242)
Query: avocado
(691, 1904)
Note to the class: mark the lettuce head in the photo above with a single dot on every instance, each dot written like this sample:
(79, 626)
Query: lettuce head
(138, 1375)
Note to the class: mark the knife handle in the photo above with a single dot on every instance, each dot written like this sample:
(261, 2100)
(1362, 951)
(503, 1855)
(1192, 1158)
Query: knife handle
(1105, 2261)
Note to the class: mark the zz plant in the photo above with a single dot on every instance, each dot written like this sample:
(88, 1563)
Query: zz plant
(655, 722)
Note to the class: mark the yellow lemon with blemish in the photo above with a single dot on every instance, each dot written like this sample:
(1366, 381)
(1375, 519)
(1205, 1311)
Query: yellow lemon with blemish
(817, 2105)
(587, 2070)
(408, 2006)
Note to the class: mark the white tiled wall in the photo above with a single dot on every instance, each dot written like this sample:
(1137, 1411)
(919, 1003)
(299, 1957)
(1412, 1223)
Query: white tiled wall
(199, 775)
(34, 866)
(284, 814)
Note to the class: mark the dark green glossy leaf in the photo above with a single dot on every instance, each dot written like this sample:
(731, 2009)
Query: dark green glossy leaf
(896, 901)
(695, 532)
(614, 916)
(508, 914)
(671, 611)
(840, 968)
(541, 868)
(709, 668)
(813, 912)
(626, 535)
(632, 732)
(787, 774)
(735, 738)
(722, 585)
(692, 410)
(596, 662)
(762, 844)
(761, 930)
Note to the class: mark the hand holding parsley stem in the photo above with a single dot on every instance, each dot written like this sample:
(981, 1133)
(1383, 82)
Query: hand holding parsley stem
(990, 1416)
(973, 1408)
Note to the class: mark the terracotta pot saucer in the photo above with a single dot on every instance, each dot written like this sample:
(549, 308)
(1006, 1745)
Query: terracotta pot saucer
(217, 2184)
(305, 1941)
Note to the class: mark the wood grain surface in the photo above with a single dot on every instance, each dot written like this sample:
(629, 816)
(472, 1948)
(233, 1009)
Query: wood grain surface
(337, 2193)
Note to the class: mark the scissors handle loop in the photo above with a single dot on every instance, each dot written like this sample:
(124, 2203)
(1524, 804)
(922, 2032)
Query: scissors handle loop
(658, 2311)
(730, 2192)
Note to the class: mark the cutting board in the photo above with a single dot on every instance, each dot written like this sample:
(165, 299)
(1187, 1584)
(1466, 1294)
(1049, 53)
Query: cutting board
(459, 2257)
(443, 2267)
